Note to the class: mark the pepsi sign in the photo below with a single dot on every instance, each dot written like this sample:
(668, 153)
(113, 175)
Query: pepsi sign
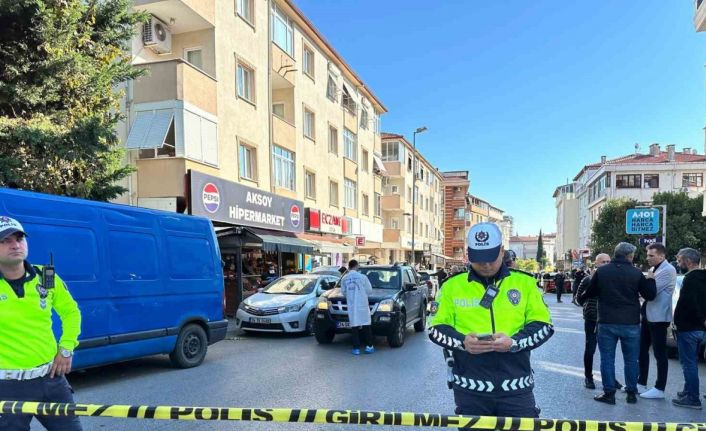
(211, 198)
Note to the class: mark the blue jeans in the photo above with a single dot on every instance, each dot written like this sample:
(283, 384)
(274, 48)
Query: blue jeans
(629, 336)
(688, 345)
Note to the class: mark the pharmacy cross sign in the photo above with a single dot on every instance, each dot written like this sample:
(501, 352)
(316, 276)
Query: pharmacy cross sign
(642, 221)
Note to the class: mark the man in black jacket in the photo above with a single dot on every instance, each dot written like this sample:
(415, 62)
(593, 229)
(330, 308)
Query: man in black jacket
(690, 320)
(559, 285)
(618, 286)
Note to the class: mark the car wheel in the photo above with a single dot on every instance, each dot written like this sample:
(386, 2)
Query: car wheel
(323, 336)
(396, 338)
(191, 347)
(421, 324)
(309, 329)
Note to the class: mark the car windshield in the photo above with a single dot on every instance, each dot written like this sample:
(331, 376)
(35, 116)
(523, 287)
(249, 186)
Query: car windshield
(382, 278)
(292, 286)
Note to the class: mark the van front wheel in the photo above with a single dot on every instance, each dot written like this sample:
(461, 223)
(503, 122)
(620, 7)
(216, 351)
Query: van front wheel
(191, 346)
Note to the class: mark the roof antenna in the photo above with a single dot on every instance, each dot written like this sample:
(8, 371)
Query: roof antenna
(637, 147)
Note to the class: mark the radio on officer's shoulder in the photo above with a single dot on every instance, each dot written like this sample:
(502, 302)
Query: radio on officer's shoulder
(490, 293)
(48, 273)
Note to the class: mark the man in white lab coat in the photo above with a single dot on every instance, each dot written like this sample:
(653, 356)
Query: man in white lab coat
(356, 287)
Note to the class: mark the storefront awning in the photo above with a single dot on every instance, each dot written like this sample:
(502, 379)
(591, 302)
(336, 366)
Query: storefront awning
(332, 247)
(443, 257)
(283, 242)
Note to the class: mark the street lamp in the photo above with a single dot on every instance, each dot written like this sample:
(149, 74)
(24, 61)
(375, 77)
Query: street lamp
(414, 182)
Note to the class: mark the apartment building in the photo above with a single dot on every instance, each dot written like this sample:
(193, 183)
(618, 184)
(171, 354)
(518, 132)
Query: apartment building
(567, 225)
(411, 178)
(526, 246)
(455, 186)
(250, 117)
(635, 176)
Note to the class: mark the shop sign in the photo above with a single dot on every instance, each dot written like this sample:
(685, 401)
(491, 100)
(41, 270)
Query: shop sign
(360, 241)
(229, 202)
(319, 221)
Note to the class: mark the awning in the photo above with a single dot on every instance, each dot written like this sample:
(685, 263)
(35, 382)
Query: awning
(332, 247)
(283, 242)
(327, 244)
(443, 257)
(149, 130)
(379, 165)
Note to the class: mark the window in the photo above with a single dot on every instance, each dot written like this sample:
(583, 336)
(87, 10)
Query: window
(651, 181)
(693, 180)
(332, 140)
(333, 193)
(394, 224)
(416, 196)
(409, 194)
(378, 205)
(309, 124)
(310, 182)
(348, 102)
(308, 60)
(364, 119)
(632, 181)
(409, 164)
(350, 145)
(284, 168)
(351, 194)
(391, 151)
(245, 81)
(168, 148)
(364, 162)
(194, 56)
(282, 31)
(244, 9)
(331, 90)
(247, 162)
(278, 110)
(366, 204)
(459, 213)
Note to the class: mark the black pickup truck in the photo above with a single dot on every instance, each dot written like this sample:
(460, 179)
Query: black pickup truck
(399, 299)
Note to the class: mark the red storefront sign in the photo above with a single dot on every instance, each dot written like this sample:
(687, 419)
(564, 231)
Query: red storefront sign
(319, 221)
(360, 241)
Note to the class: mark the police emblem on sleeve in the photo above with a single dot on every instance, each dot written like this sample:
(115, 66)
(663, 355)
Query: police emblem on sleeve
(434, 307)
(514, 296)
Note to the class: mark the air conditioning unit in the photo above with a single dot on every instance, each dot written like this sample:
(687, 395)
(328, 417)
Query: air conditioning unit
(156, 36)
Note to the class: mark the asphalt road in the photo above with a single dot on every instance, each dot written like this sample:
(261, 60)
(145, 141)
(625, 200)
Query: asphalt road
(293, 371)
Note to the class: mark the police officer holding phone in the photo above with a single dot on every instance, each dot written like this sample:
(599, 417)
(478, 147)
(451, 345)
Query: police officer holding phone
(490, 319)
(32, 363)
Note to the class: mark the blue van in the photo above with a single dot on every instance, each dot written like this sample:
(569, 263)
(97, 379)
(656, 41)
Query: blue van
(147, 282)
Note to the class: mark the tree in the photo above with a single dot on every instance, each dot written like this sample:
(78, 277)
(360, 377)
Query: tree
(686, 227)
(60, 64)
(540, 249)
(528, 265)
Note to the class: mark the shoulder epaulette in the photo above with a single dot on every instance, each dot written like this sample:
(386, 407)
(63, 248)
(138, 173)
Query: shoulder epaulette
(521, 272)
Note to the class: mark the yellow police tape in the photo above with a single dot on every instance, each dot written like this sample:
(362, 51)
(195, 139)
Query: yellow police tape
(348, 417)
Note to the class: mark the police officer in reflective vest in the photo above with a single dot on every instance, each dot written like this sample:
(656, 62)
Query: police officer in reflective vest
(490, 319)
(32, 363)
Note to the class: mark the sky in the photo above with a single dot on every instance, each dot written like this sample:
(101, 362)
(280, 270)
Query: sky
(524, 94)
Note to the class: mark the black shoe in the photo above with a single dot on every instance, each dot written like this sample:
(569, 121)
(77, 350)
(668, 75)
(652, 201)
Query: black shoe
(681, 394)
(632, 398)
(588, 383)
(606, 397)
(558, 300)
(688, 403)
(618, 385)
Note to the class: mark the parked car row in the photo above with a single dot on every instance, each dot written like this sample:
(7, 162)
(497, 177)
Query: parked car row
(314, 304)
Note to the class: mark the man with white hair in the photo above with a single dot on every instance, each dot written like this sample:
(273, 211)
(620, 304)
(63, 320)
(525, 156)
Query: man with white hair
(618, 287)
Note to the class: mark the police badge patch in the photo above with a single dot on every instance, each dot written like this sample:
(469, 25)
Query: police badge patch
(43, 293)
(434, 307)
(514, 296)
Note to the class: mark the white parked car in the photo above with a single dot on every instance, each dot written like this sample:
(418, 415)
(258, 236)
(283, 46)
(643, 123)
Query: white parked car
(432, 283)
(285, 305)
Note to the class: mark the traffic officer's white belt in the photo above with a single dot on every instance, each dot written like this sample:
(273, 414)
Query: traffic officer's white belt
(507, 385)
(33, 373)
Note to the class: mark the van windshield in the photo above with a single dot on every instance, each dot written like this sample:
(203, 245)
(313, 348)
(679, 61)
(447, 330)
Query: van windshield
(292, 286)
(382, 278)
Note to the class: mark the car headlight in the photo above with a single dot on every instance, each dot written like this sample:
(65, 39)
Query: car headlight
(291, 308)
(241, 306)
(386, 305)
(322, 304)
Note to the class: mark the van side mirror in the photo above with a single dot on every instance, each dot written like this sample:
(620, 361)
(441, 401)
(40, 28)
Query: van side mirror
(410, 286)
(331, 285)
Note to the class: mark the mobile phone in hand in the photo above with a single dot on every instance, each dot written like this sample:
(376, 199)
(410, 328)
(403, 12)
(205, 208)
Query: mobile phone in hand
(485, 337)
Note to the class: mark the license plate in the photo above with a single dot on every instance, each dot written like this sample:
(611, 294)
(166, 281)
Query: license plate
(343, 324)
(260, 320)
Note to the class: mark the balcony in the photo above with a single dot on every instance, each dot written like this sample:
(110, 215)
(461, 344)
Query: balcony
(284, 134)
(391, 203)
(177, 80)
(699, 15)
(391, 235)
(188, 15)
(394, 169)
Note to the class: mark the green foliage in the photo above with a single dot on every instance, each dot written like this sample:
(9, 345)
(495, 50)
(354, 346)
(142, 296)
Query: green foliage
(686, 227)
(540, 249)
(529, 265)
(60, 64)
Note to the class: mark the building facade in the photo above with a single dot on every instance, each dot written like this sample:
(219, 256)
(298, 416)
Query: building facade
(410, 178)
(567, 225)
(455, 202)
(636, 176)
(526, 247)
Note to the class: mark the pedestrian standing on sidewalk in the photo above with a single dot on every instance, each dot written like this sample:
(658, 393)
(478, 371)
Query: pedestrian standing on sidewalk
(590, 322)
(356, 287)
(656, 317)
(559, 285)
(618, 287)
(690, 321)
(32, 363)
(578, 277)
